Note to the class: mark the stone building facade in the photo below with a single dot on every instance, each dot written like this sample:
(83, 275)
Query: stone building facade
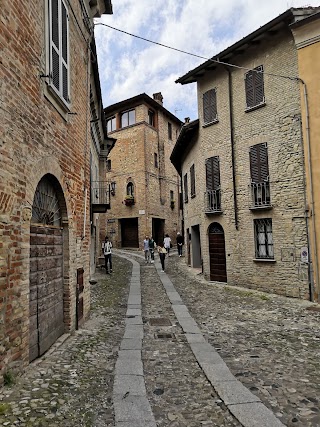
(146, 200)
(242, 165)
(50, 102)
(306, 33)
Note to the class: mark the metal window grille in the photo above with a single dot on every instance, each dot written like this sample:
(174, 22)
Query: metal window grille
(263, 238)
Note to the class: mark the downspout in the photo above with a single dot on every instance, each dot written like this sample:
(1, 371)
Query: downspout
(235, 203)
(306, 217)
(314, 233)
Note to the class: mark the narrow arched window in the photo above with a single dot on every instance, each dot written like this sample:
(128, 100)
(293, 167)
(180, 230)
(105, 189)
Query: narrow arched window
(130, 189)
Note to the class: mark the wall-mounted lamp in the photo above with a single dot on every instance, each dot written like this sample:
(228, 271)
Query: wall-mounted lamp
(113, 188)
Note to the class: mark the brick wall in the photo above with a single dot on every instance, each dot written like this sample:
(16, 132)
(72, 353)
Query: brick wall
(132, 160)
(36, 140)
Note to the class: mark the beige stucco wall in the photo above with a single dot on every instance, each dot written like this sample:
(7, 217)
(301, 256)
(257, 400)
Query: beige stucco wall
(307, 39)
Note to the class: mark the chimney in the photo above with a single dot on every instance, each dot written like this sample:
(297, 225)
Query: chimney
(158, 97)
(187, 120)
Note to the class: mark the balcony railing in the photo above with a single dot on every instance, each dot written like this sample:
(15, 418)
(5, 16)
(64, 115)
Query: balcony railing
(212, 201)
(260, 195)
(100, 196)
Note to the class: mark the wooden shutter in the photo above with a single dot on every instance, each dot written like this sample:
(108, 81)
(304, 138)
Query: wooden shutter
(210, 106)
(254, 87)
(59, 35)
(259, 86)
(55, 44)
(64, 52)
(259, 167)
(192, 181)
(213, 173)
(185, 186)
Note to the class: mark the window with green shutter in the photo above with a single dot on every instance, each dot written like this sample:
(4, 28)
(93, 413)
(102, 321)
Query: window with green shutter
(210, 114)
(254, 86)
(59, 49)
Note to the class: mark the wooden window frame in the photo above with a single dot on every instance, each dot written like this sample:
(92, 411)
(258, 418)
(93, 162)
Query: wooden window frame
(151, 118)
(263, 236)
(127, 114)
(259, 163)
(155, 158)
(113, 124)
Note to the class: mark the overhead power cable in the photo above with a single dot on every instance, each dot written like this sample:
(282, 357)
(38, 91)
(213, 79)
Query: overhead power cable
(216, 61)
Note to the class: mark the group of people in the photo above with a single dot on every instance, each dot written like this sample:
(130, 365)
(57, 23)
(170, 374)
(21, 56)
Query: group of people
(149, 247)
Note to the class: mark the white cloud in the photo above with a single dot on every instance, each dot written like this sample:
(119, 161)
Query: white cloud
(129, 66)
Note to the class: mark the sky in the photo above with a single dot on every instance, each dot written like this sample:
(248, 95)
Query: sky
(129, 66)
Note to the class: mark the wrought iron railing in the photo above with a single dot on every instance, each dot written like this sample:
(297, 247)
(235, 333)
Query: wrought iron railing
(260, 194)
(212, 201)
(100, 192)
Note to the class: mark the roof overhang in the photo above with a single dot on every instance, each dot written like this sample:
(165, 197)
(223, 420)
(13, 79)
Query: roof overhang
(185, 141)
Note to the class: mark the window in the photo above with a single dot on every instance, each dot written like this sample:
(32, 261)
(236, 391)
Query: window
(111, 124)
(185, 186)
(213, 191)
(254, 87)
(108, 165)
(130, 189)
(59, 49)
(169, 130)
(128, 118)
(171, 196)
(151, 118)
(155, 155)
(263, 238)
(210, 106)
(192, 182)
(259, 170)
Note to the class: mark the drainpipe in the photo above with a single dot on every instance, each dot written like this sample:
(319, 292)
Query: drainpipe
(232, 149)
(314, 233)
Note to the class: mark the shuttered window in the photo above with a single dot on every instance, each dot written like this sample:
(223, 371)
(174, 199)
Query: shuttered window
(192, 181)
(59, 48)
(210, 106)
(185, 188)
(213, 173)
(259, 167)
(254, 87)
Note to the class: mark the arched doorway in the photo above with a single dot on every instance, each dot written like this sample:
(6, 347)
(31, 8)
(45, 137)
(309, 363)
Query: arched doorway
(217, 252)
(46, 267)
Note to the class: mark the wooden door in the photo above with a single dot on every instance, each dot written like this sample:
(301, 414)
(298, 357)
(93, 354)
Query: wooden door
(129, 233)
(218, 271)
(46, 288)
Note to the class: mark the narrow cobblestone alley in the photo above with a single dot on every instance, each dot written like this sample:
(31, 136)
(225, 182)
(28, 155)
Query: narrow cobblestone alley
(269, 343)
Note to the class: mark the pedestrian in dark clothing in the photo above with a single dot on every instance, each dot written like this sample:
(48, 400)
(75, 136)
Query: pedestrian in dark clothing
(152, 245)
(106, 246)
(179, 243)
(162, 254)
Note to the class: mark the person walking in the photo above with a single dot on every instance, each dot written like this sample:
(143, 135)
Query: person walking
(107, 252)
(152, 245)
(146, 249)
(179, 243)
(162, 254)
(167, 243)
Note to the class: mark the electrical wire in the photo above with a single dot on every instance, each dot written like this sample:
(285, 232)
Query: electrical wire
(216, 61)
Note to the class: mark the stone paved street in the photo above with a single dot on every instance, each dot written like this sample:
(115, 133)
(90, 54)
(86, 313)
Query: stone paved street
(269, 343)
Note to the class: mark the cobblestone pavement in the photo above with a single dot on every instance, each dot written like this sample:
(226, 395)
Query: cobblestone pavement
(270, 343)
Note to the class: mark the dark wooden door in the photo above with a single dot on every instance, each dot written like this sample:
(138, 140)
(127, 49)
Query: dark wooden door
(46, 288)
(129, 233)
(218, 271)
